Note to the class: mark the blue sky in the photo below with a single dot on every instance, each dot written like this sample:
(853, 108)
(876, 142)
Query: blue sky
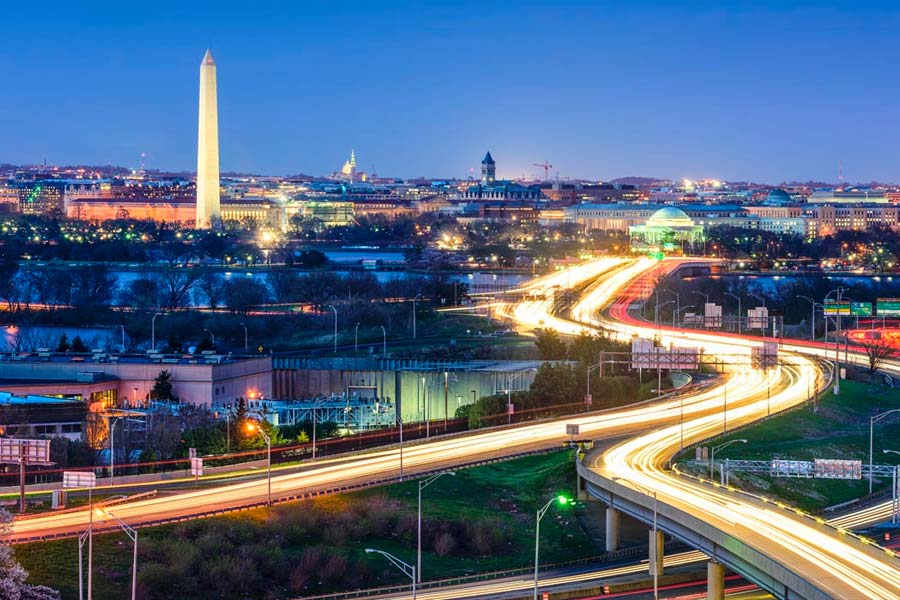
(761, 90)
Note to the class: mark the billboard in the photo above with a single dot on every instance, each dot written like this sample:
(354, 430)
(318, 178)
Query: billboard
(712, 315)
(888, 307)
(833, 307)
(33, 451)
(827, 468)
(861, 309)
(644, 355)
(758, 318)
(793, 468)
(79, 479)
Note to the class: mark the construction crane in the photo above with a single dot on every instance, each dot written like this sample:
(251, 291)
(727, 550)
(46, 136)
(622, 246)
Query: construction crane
(546, 166)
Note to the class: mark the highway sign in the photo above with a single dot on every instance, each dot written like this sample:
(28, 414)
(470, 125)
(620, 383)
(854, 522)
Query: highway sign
(573, 429)
(888, 307)
(197, 467)
(792, 468)
(861, 309)
(836, 308)
(79, 479)
(827, 468)
(588, 399)
(35, 452)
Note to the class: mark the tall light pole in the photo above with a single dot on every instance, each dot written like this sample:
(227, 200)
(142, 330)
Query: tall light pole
(712, 454)
(837, 342)
(212, 337)
(408, 570)
(414, 314)
(153, 331)
(653, 549)
(383, 341)
(812, 329)
(331, 306)
(872, 421)
(705, 296)
(123, 338)
(246, 336)
(895, 492)
(400, 422)
(562, 501)
(251, 427)
(424, 483)
(675, 315)
(133, 535)
(356, 338)
(739, 316)
(677, 300)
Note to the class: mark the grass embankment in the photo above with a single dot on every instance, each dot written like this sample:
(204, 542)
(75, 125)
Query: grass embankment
(839, 430)
(480, 520)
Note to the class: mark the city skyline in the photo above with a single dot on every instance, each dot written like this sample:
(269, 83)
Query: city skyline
(610, 96)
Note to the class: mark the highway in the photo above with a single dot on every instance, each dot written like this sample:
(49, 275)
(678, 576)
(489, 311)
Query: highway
(838, 566)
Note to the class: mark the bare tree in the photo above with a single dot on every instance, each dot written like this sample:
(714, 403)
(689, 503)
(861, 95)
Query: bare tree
(877, 351)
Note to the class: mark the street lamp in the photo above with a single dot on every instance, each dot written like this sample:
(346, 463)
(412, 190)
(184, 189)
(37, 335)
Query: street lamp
(705, 296)
(677, 300)
(895, 492)
(408, 570)
(123, 338)
(383, 341)
(712, 454)
(739, 316)
(331, 306)
(562, 501)
(414, 314)
(872, 421)
(424, 483)
(212, 337)
(153, 331)
(653, 563)
(252, 427)
(133, 535)
(246, 336)
(675, 315)
(356, 338)
(813, 304)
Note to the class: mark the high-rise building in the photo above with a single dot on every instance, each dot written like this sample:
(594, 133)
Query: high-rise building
(488, 170)
(207, 147)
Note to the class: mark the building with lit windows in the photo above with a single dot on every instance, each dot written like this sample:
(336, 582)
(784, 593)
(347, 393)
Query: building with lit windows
(668, 228)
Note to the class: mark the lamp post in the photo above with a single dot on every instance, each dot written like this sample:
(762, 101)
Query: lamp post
(331, 306)
(424, 483)
(705, 296)
(677, 300)
(712, 454)
(414, 314)
(356, 338)
(812, 329)
(872, 421)
(123, 338)
(212, 337)
(246, 335)
(153, 331)
(895, 492)
(408, 570)
(562, 501)
(133, 535)
(383, 341)
(251, 427)
(739, 317)
(675, 315)
(400, 422)
(837, 342)
(655, 551)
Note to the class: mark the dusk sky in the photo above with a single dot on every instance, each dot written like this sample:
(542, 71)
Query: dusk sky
(732, 90)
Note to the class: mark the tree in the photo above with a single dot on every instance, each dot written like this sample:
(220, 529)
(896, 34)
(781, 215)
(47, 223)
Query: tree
(63, 345)
(244, 295)
(13, 577)
(212, 287)
(550, 345)
(162, 386)
(554, 384)
(78, 345)
(877, 351)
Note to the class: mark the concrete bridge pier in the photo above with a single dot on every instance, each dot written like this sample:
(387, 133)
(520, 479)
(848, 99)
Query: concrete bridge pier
(613, 518)
(657, 551)
(715, 575)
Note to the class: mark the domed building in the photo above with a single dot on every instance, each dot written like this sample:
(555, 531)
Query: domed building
(667, 229)
(777, 197)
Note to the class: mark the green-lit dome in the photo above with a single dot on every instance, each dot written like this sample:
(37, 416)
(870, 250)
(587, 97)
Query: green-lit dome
(778, 197)
(670, 216)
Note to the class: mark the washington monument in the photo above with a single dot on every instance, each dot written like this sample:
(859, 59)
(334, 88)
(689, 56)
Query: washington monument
(207, 147)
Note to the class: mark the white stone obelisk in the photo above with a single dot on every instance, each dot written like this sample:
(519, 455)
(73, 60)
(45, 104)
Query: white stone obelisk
(207, 147)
